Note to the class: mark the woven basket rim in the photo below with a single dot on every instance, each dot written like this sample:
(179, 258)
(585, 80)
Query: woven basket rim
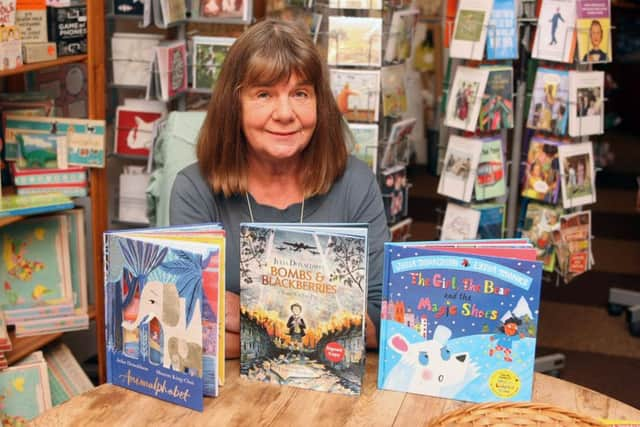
(523, 413)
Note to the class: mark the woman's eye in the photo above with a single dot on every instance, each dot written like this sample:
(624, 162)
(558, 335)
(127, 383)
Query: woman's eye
(302, 94)
(262, 95)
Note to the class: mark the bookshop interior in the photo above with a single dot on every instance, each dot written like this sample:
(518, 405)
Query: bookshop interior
(497, 136)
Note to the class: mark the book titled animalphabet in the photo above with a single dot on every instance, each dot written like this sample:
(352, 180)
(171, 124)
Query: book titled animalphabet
(302, 305)
(459, 319)
(163, 305)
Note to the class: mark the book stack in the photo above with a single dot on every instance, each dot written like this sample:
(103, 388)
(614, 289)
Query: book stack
(66, 376)
(71, 182)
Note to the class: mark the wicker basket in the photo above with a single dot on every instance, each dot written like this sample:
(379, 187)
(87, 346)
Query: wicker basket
(508, 414)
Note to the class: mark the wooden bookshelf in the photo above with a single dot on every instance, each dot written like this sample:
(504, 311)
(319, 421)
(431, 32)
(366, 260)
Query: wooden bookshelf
(10, 219)
(40, 65)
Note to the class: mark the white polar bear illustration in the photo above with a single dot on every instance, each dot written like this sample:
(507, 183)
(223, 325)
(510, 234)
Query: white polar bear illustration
(429, 367)
(140, 136)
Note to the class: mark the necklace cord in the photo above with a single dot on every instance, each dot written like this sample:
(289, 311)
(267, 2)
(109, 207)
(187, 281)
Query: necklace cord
(251, 211)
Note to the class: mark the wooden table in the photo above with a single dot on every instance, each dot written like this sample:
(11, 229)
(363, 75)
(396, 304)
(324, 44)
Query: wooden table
(246, 403)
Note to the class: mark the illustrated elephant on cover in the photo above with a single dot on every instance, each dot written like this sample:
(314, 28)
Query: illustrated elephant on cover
(182, 343)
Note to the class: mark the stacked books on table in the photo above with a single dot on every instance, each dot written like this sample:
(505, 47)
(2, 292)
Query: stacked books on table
(71, 182)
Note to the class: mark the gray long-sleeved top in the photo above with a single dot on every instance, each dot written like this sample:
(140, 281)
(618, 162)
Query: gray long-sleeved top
(354, 198)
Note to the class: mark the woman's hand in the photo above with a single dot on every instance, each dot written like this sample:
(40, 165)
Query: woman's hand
(231, 325)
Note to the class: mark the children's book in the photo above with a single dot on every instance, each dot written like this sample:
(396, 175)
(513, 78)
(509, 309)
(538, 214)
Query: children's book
(555, 37)
(357, 93)
(239, 11)
(542, 173)
(574, 244)
(394, 96)
(594, 31)
(24, 391)
(365, 143)
(492, 220)
(459, 323)
(549, 108)
(397, 148)
(403, 23)
(502, 31)
(460, 167)
(85, 139)
(302, 305)
(162, 308)
(356, 4)
(135, 127)
(490, 175)
(539, 225)
(586, 103)
(496, 107)
(355, 41)
(459, 223)
(13, 205)
(401, 230)
(395, 192)
(470, 30)
(465, 97)
(208, 56)
(578, 174)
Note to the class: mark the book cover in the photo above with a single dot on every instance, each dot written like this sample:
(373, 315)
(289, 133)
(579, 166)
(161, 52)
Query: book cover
(457, 323)
(502, 31)
(400, 39)
(302, 305)
(555, 37)
(490, 175)
(67, 26)
(357, 93)
(394, 96)
(492, 220)
(35, 267)
(13, 205)
(24, 392)
(31, 19)
(397, 147)
(460, 167)
(356, 4)
(161, 315)
(85, 139)
(134, 130)
(401, 230)
(365, 143)
(128, 7)
(237, 10)
(7, 12)
(540, 223)
(586, 103)
(465, 100)
(573, 246)
(459, 223)
(355, 41)
(395, 192)
(470, 29)
(578, 174)
(496, 106)
(208, 56)
(542, 172)
(594, 31)
(549, 108)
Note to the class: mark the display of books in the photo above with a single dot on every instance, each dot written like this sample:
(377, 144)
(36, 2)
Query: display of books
(164, 300)
(578, 174)
(555, 37)
(459, 320)
(302, 305)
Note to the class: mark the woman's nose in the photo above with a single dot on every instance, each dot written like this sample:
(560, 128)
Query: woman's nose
(283, 109)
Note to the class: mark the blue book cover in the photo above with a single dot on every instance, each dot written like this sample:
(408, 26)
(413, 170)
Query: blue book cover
(458, 325)
(158, 310)
(502, 31)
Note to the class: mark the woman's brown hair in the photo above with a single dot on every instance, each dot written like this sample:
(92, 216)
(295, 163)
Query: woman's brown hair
(265, 54)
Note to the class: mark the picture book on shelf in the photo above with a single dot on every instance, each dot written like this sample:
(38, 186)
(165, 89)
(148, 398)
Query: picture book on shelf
(459, 223)
(586, 103)
(163, 298)
(365, 143)
(459, 322)
(403, 23)
(542, 173)
(539, 225)
(496, 106)
(460, 167)
(490, 175)
(302, 305)
(354, 41)
(470, 30)
(549, 108)
(394, 96)
(208, 56)
(594, 31)
(578, 174)
(502, 31)
(357, 93)
(555, 37)
(465, 97)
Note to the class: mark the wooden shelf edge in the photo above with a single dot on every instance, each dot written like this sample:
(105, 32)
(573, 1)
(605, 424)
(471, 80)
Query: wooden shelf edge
(41, 65)
(10, 220)
(26, 345)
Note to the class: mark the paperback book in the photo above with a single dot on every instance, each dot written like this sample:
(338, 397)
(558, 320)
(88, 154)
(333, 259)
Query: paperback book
(355, 41)
(357, 93)
(549, 108)
(31, 19)
(460, 167)
(67, 27)
(302, 305)
(578, 174)
(14, 205)
(594, 31)
(555, 38)
(586, 103)
(470, 30)
(470, 311)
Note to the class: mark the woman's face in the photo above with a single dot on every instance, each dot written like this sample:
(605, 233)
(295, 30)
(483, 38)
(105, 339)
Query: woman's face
(278, 121)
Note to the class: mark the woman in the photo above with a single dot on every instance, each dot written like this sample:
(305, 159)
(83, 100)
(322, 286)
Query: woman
(272, 149)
